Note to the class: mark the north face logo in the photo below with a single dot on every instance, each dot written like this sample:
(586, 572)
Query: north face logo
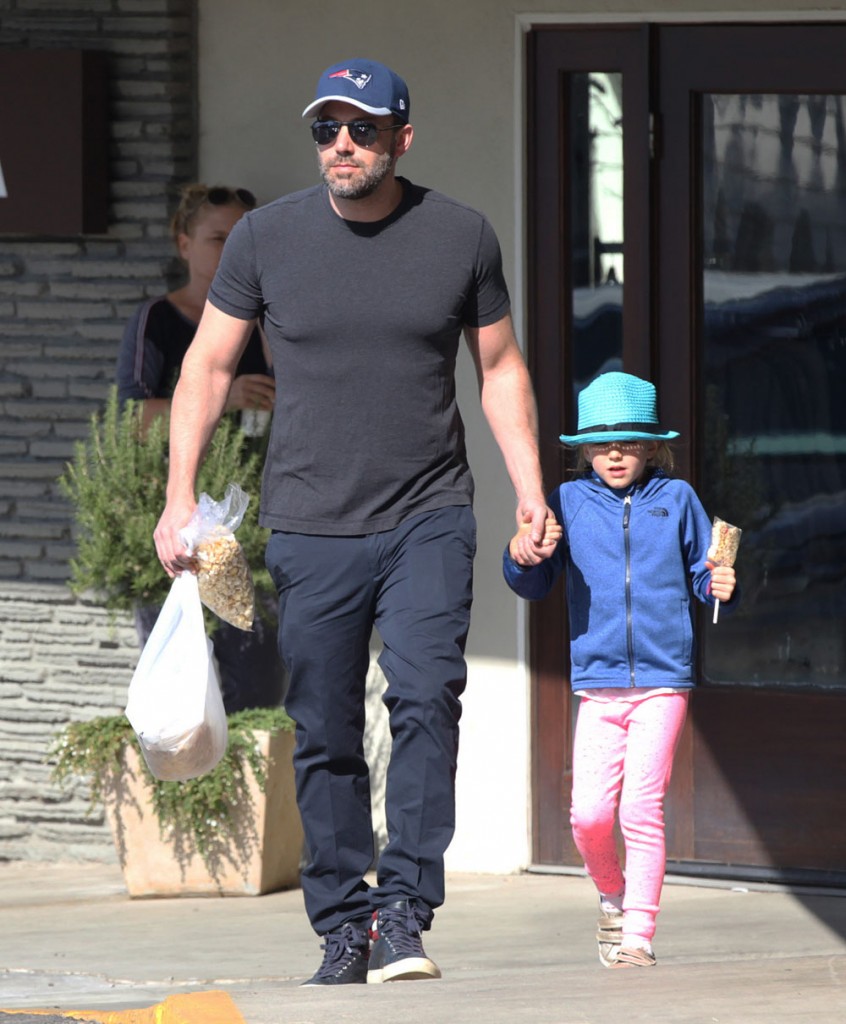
(661, 512)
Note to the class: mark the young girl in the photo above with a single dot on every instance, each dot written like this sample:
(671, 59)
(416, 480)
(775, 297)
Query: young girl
(634, 544)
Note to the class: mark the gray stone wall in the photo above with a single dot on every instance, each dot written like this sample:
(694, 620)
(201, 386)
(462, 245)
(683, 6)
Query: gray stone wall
(63, 304)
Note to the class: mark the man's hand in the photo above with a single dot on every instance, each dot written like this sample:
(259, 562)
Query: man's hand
(170, 549)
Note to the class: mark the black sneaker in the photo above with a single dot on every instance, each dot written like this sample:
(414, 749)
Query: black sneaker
(397, 953)
(345, 956)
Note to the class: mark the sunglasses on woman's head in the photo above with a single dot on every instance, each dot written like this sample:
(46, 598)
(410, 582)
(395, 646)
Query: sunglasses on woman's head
(220, 196)
(363, 133)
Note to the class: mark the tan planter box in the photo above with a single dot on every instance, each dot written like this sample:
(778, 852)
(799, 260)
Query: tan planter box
(265, 856)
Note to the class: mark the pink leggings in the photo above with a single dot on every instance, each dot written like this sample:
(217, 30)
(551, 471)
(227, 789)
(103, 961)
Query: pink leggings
(623, 753)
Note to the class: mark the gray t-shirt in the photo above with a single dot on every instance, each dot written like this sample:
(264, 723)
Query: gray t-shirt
(364, 323)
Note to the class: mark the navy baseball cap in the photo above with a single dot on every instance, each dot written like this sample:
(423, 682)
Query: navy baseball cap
(366, 84)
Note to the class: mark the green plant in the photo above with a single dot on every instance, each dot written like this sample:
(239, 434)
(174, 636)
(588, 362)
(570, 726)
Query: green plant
(116, 484)
(193, 815)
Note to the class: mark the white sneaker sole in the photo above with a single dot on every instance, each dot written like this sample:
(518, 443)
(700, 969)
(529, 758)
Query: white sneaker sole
(411, 969)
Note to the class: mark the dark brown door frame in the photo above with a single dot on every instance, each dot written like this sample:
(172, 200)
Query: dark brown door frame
(550, 51)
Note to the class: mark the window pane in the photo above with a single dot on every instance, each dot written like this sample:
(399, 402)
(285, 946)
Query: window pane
(773, 368)
(597, 218)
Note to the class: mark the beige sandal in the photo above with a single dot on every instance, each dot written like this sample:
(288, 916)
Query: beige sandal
(609, 935)
(633, 957)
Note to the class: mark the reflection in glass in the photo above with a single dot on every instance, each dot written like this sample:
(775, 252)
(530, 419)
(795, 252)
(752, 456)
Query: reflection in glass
(596, 255)
(773, 454)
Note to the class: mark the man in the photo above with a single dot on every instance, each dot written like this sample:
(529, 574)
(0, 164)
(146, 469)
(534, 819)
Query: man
(365, 284)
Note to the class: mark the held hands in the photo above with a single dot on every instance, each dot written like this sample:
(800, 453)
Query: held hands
(723, 581)
(527, 551)
(251, 391)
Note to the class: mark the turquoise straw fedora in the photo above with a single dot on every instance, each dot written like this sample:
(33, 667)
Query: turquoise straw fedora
(618, 407)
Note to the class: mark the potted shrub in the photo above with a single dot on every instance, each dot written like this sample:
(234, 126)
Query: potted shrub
(233, 831)
(222, 832)
(116, 484)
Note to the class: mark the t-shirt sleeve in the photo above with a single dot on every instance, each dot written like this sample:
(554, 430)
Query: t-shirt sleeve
(235, 289)
(490, 301)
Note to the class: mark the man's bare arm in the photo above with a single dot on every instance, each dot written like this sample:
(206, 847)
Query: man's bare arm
(508, 402)
(198, 403)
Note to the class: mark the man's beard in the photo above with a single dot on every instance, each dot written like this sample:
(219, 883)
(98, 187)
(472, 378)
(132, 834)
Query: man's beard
(362, 183)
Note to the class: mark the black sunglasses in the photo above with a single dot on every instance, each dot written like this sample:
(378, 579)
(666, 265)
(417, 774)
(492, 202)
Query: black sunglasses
(220, 196)
(363, 133)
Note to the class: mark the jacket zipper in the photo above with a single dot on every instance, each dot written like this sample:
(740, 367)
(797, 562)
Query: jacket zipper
(627, 509)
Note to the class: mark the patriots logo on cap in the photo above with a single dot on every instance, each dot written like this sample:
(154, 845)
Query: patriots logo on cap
(358, 78)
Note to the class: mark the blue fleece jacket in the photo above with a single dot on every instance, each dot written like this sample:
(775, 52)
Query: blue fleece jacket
(634, 562)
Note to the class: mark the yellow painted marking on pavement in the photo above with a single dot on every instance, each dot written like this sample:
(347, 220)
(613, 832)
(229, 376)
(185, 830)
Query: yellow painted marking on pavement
(187, 1008)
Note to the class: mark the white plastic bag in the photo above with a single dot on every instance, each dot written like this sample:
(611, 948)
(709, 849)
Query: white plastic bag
(174, 703)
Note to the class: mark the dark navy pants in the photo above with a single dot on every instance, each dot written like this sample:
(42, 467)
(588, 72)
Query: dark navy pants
(414, 584)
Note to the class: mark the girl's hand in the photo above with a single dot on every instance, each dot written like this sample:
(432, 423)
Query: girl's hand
(723, 581)
(526, 552)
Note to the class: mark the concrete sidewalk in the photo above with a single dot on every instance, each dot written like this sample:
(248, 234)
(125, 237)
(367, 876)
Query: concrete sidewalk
(511, 948)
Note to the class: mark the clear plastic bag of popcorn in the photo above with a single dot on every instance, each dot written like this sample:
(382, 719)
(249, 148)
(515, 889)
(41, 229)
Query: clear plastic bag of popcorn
(223, 573)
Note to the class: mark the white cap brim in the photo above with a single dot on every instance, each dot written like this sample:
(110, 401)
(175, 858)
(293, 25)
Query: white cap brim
(315, 106)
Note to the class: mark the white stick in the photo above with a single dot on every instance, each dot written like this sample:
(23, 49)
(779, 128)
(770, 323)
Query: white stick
(716, 608)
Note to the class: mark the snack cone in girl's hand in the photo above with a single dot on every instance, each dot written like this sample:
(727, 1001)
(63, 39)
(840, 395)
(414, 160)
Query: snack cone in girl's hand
(725, 540)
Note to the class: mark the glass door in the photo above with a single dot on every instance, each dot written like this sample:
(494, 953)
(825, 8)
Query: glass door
(752, 357)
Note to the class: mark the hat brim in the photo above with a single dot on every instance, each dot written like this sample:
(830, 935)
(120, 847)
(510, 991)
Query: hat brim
(315, 106)
(604, 436)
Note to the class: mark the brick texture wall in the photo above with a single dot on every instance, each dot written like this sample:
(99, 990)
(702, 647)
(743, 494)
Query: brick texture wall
(63, 304)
